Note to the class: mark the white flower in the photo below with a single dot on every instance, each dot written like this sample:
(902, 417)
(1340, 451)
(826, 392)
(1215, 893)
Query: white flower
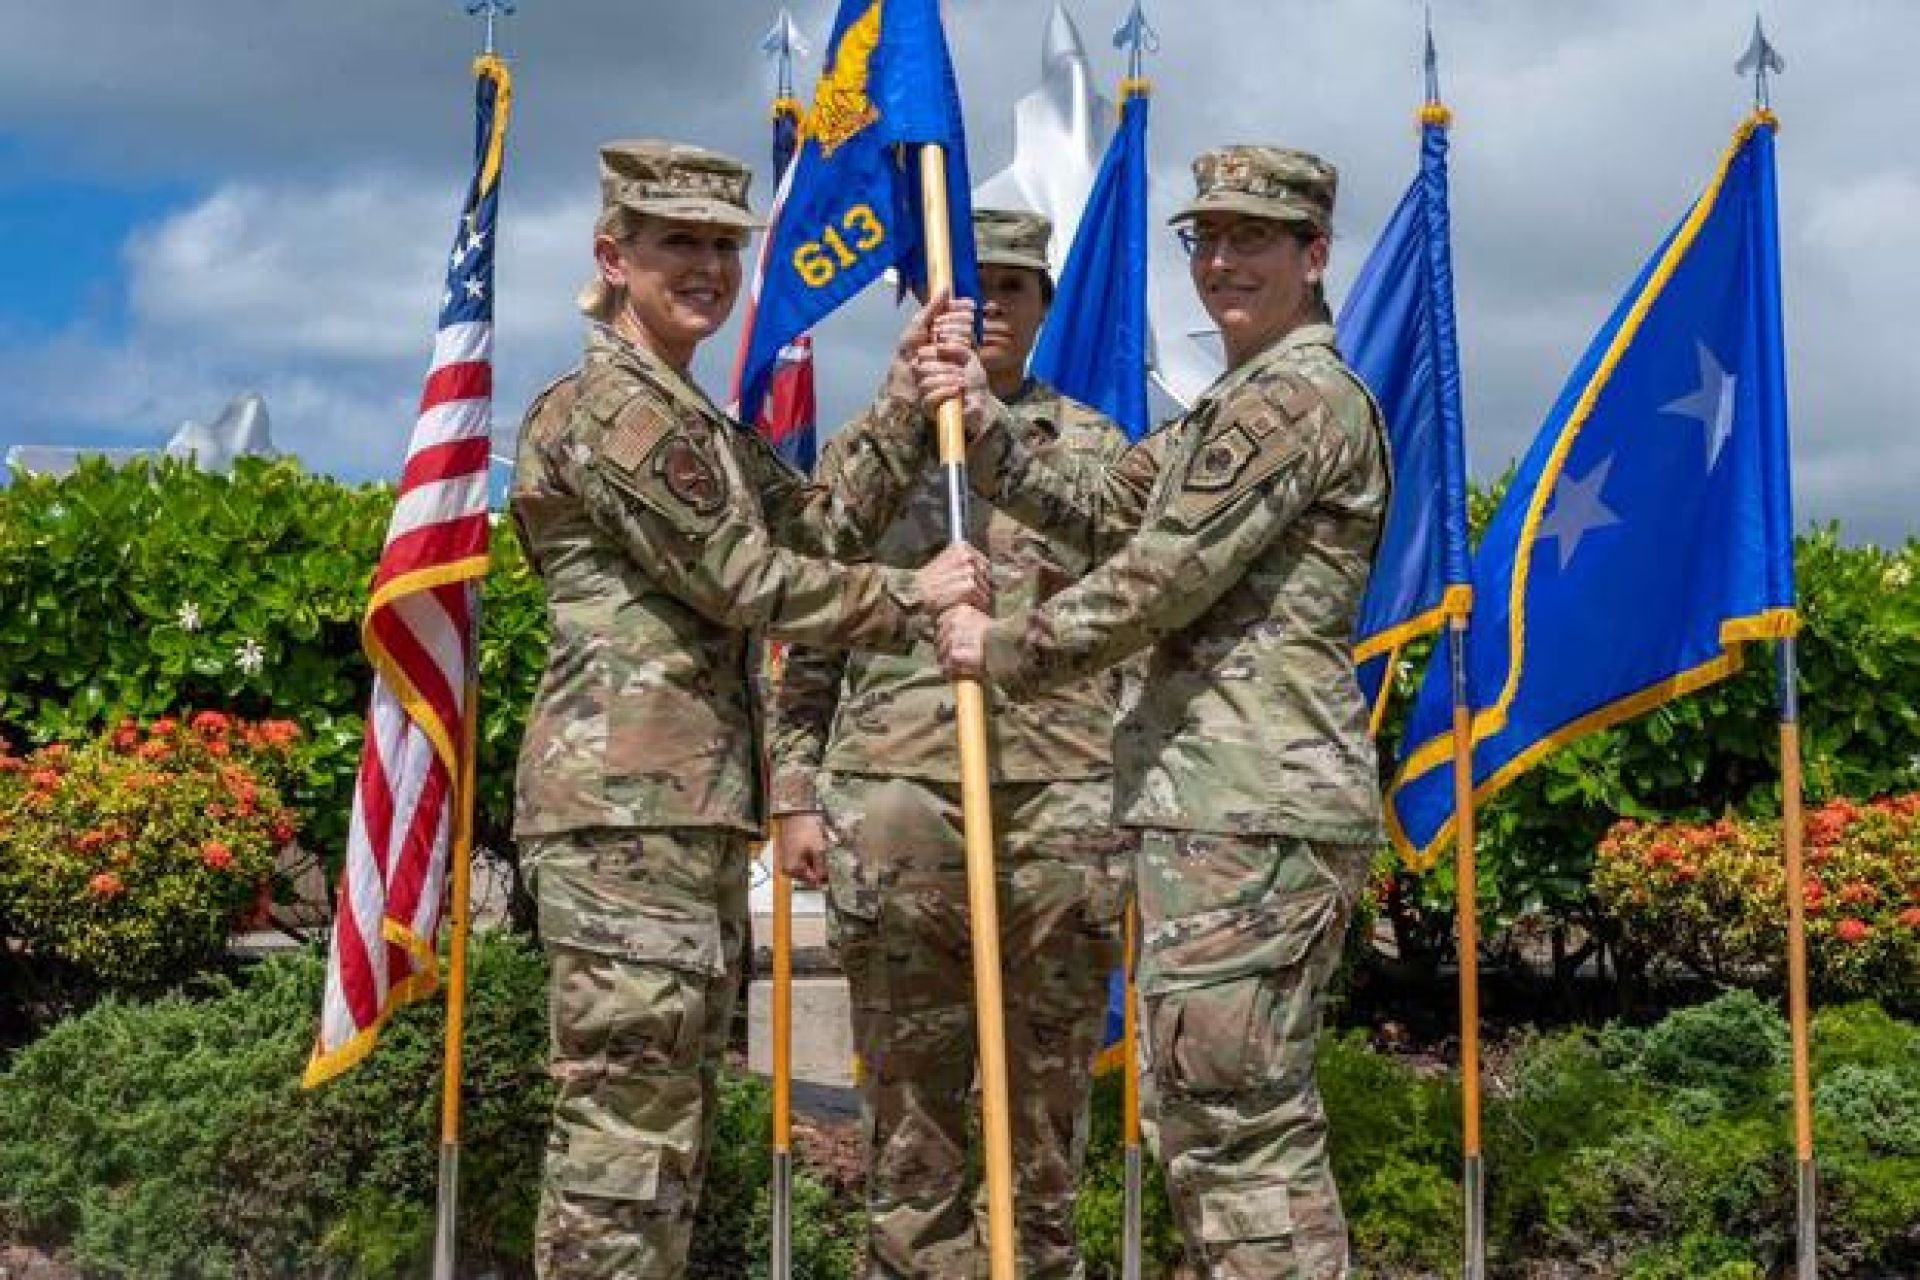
(189, 616)
(250, 657)
(1897, 577)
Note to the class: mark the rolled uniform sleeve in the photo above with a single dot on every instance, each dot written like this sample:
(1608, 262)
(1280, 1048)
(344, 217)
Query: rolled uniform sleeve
(1090, 501)
(656, 485)
(1261, 463)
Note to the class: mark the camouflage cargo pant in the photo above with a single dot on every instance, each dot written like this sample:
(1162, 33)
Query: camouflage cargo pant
(1240, 936)
(897, 899)
(645, 931)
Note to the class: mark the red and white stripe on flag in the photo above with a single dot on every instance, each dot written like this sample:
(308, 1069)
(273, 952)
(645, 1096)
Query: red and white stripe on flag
(419, 634)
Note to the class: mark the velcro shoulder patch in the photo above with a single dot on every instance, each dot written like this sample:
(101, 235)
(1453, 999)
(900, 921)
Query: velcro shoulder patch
(634, 431)
(658, 457)
(1294, 396)
(691, 477)
(1252, 436)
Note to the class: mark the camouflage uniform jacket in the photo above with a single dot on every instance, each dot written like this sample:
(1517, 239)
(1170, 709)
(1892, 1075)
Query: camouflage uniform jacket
(1253, 523)
(886, 716)
(665, 536)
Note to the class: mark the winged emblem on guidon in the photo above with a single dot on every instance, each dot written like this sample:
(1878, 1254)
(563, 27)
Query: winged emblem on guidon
(841, 108)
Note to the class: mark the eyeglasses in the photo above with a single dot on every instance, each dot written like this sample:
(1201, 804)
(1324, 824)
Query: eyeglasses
(1248, 236)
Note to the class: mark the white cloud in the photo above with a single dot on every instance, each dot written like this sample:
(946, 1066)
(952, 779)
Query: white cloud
(330, 143)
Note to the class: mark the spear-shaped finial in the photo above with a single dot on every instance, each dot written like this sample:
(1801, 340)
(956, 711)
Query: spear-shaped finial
(491, 10)
(1433, 111)
(784, 43)
(1759, 59)
(1137, 36)
(1432, 64)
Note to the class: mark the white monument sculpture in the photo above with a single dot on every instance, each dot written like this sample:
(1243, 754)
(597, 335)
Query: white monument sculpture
(241, 431)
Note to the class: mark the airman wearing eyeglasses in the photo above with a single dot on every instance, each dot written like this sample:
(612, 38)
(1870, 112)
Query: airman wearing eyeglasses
(1236, 544)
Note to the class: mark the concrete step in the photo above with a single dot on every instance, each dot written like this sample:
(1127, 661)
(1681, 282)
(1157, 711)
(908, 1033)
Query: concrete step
(822, 1031)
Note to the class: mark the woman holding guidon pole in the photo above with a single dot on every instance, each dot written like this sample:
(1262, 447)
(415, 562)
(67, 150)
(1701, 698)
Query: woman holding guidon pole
(1240, 539)
(666, 537)
(866, 781)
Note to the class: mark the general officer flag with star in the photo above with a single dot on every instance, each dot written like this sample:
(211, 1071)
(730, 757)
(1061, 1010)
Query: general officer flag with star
(851, 207)
(1648, 534)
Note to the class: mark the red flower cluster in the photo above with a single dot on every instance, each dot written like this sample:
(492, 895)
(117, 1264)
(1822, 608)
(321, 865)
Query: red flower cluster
(133, 855)
(1713, 896)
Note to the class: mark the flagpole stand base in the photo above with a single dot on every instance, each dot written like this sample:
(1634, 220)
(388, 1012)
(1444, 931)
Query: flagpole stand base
(446, 1233)
(782, 1268)
(1473, 1185)
(1808, 1236)
(1130, 1219)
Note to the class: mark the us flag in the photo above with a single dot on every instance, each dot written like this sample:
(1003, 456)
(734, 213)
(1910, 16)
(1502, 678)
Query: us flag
(420, 635)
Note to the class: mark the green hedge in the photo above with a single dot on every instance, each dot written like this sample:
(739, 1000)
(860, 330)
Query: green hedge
(95, 570)
(171, 1139)
(146, 590)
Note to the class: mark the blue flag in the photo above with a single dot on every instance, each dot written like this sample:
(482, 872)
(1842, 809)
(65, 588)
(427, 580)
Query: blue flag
(1398, 334)
(1113, 1035)
(1648, 533)
(851, 207)
(1094, 344)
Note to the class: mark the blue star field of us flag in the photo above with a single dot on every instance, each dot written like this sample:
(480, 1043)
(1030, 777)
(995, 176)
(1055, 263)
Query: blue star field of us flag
(1648, 534)
(468, 297)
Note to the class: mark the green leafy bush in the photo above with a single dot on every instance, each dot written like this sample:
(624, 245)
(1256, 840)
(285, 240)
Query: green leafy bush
(131, 591)
(172, 1139)
(133, 857)
(1713, 897)
(1683, 1165)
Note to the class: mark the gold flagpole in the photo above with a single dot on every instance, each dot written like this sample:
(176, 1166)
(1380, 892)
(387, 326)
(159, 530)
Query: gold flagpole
(976, 797)
(782, 1029)
(460, 848)
(1807, 1251)
(782, 45)
(1467, 930)
(1130, 1106)
(460, 857)
(1760, 60)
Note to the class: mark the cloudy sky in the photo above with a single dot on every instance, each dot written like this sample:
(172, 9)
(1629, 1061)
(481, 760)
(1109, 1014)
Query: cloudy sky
(258, 196)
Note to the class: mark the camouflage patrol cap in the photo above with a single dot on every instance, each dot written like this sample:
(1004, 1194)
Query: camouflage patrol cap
(670, 180)
(1263, 182)
(1011, 238)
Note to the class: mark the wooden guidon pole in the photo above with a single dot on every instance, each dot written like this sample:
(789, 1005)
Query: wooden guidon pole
(460, 856)
(1467, 930)
(976, 797)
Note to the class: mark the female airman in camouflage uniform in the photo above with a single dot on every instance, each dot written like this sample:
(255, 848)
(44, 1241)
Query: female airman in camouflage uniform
(666, 537)
(1241, 537)
(866, 775)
